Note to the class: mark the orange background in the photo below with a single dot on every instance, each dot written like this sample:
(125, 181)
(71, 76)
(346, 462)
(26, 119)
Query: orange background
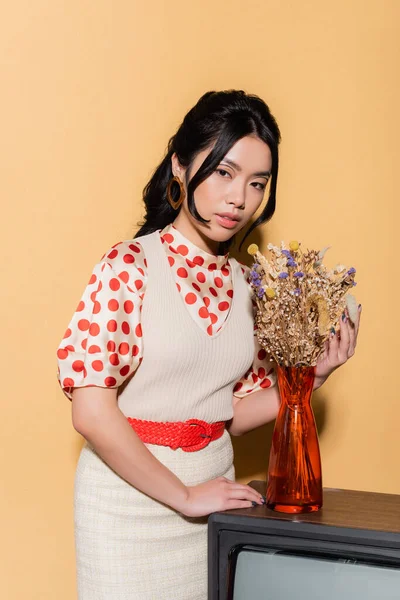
(91, 92)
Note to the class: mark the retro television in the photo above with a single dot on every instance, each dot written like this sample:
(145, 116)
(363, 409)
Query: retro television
(349, 550)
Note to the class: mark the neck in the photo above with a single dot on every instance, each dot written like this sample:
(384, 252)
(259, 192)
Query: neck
(200, 240)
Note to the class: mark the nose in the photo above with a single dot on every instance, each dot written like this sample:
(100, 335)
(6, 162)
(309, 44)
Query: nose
(237, 197)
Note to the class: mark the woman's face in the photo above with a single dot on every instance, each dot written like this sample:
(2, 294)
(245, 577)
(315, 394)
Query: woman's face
(229, 197)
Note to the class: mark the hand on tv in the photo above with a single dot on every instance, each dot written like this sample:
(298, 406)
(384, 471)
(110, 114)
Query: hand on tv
(218, 495)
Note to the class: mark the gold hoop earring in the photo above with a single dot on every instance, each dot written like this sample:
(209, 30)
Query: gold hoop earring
(175, 204)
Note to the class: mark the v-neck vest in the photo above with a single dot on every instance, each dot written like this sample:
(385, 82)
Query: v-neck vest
(185, 373)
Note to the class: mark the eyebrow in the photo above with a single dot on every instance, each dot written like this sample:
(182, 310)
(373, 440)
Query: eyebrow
(239, 168)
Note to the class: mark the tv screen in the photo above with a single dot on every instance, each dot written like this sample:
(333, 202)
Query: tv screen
(281, 575)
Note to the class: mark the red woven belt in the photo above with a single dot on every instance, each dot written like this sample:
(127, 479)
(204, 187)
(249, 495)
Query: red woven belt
(189, 435)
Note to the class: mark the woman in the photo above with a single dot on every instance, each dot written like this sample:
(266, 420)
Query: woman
(162, 365)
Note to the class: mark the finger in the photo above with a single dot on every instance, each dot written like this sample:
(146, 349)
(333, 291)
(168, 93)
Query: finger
(244, 494)
(333, 346)
(244, 491)
(357, 324)
(352, 338)
(343, 350)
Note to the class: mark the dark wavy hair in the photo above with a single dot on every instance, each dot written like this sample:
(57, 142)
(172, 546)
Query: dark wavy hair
(224, 118)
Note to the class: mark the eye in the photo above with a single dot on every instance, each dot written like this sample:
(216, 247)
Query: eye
(222, 171)
(262, 186)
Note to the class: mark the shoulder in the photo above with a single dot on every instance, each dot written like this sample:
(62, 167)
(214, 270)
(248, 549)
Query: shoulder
(127, 261)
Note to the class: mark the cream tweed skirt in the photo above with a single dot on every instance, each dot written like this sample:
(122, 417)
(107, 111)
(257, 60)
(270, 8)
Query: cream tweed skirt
(130, 546)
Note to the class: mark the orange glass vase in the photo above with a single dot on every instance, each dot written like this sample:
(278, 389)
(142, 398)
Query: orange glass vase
(294, 472)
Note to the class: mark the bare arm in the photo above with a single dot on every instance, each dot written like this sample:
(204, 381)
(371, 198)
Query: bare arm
(97, 417)
(254, 410)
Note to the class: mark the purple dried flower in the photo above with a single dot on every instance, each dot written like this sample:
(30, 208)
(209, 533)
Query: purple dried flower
(291, 263)
(351, 271)
(297, 292)
(260, 292)
(283, 275)
(286, 253)
(298, 274)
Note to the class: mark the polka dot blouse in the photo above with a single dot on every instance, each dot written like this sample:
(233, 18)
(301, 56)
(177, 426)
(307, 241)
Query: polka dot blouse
(103, 343)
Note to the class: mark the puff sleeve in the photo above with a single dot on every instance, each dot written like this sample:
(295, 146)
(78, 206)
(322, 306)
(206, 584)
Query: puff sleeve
(102, 345)
(261, 374)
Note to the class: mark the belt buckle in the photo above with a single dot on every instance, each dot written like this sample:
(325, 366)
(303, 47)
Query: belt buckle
(206, 435)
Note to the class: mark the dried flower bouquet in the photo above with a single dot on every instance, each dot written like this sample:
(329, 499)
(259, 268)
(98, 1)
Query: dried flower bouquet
(299, 301)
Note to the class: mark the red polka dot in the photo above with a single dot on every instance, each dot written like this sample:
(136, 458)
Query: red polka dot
(93, 296)
(212, 267)
(171, 261)
(213, 292)
(190, 298)
(223, 306)
(261, 373)
(100, 286)
(196, 287)
(218, 282)
(84, 344)
(135, 350)
(113, 305)
(138, 284)
(93, 349)
(203, 312)
(265, 383)
(261, 354)
(114, 359)
(198, 260)
(114, 284)
(112, 325)
(254, 377)
(134, 248)
(62, 353)
(111, 346)
(172, 249)
(179, 287)
(207, 301)
(67, 333)
(129, 259)
(190, 263)
(110, 381)
(113, 254)
(78, 366)
(125, 370)
(128, 306)
(225, 271)
(125, 328)
(209, 330)
(201, 277)
(138, 330)
(81, 306)
(70, 348)
(168, 238)
(181, 272)
(123, 348)
(214, 318)
(238, 386)
(96, 308)
(97, 365)
(93, 279)
(83, 324)
(145, 262)
(124, 275)
(68, 382)
(182, 249)
(94, 329)
(229, 293)
(140, 271)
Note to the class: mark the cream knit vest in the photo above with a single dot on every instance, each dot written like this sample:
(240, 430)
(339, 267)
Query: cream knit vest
(185, 373)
